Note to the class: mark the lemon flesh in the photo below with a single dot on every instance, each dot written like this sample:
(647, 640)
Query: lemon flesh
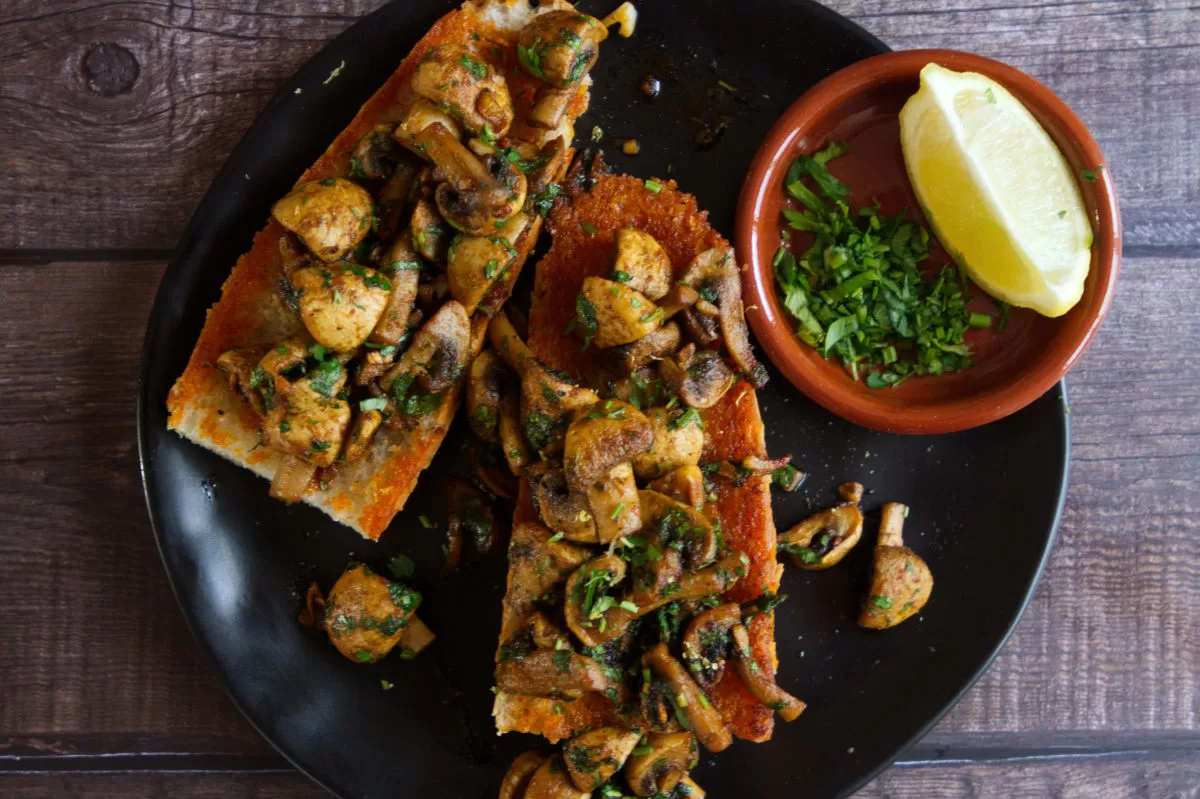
(996, 190)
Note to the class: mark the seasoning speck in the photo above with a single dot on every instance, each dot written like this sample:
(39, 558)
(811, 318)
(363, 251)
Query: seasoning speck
(651, 86)
(597, 133)
(630, 147)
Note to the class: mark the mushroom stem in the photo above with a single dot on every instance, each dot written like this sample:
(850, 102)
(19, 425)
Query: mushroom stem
(416, 636)
(891, 525)
(464, 171)
(508, 343)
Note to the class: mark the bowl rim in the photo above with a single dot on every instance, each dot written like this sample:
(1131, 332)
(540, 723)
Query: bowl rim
(771, 324)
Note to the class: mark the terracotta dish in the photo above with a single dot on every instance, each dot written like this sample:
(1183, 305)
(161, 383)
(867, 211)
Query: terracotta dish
(860, 105)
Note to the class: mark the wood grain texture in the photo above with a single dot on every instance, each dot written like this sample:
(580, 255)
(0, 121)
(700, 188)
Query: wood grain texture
(151, 143)
(1096, 695)
(1120, 779)
(206, 68)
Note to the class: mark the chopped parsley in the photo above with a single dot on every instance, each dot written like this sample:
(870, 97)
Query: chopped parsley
(401, 567)
(682, 420)
(588, 227)
(531, 58)
(858, 292)
(476, 68)
(541, 202)
(373, 404)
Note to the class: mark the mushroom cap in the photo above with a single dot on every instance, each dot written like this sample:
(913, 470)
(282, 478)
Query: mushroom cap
(672, 755)
(602, 436)
(330, 216)
(823, 539)
(900, 586)
(365, 614)
(594, 756)
(341, 304)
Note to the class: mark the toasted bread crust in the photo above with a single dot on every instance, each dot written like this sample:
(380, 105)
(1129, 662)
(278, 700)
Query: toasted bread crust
(733, 428)
(365, 495)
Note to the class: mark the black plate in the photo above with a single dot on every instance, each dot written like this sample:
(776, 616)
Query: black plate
(985, 502)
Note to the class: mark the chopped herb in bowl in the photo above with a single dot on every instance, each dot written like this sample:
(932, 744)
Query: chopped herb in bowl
(858, 292)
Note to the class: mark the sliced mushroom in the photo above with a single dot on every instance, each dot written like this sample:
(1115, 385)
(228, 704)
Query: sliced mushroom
(554, 672)
(516, 779)
(674, 525)
(651, 347)
(900, 580)
(757, 681)
(714, 274)
(491, 470)
(561, 509)
(436, 359)
(657, 575)
(471, 519)
(678, 437)
(716, 579)
(403, 263)
(341, 304)
(308, 419)
(536, 566)
(641, 263)
(687, 788)
(699, 377)
(477, 194)
(362, 433)
(512, 434)
(618, 313)
(613, 502)
(365, 614)
(545, 167)
(486, 379)
(559, 47)
(330, 216)
(658, 771)
(392, 200)
(595, 756)
(239, 366)
(706, 642)
(507, 342)
(546, 401)
(375, 154)
(591, 612)
(552, 781)
(823, 539)
(685, 484)
(431, 235)
(423, 114)
(476, 262)
(608, 433)
(706, 722)
(752, 466)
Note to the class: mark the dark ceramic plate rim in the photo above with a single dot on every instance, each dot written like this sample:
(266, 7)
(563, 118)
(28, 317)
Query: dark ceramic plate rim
(314, 69)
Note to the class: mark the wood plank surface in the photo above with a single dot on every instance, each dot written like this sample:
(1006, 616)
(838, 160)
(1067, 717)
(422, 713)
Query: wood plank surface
(155, 134)
(101, 162)
(1174, 779)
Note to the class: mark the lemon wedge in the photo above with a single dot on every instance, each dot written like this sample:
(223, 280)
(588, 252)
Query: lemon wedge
(997, 190)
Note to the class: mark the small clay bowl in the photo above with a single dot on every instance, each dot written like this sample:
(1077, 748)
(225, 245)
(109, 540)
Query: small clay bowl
(860, 105)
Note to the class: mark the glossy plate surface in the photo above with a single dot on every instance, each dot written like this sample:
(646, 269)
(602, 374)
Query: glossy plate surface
(236, 558)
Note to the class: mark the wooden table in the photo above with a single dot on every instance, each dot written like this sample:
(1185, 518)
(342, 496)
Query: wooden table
(114, 117)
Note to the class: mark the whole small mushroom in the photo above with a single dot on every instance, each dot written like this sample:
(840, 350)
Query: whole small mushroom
(901, 581)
